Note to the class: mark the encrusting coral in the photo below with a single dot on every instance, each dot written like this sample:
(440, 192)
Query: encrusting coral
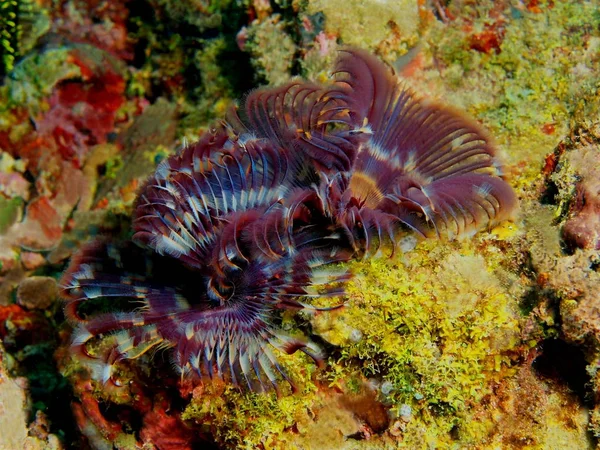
(252, 218)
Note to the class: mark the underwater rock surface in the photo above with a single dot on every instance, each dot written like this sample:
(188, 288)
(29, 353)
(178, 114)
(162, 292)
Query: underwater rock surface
(486, 341)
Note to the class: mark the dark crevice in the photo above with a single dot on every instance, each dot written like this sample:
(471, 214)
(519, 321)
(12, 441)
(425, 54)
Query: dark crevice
(565, 364)
(234, 64)
(48, 390)
(550, 194)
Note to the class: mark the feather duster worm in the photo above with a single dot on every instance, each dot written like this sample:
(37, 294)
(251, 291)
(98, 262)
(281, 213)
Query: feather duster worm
(424, 165)
(227, 235)
(303, 118)
(250, 219)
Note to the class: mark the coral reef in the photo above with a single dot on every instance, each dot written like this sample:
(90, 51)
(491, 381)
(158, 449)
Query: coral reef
(526, 98)
(487, 341)
(571, 190)
(134, 415)
(37, 292)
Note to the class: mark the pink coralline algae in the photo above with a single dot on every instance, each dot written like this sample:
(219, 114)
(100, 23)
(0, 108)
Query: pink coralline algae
(82, 115)
(582, 229)
(61, 122)
(251, 219)
(160, 425)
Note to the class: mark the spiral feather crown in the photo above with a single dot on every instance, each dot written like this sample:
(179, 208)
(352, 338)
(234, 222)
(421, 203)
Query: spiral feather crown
(252, 218)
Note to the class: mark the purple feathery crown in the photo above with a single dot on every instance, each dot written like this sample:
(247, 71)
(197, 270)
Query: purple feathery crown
(252, 217)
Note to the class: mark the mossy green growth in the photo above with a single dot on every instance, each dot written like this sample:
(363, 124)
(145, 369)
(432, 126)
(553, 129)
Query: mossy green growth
(528, 90)
(10, 211)
(192, 58)
(433, 328)
(389, 26)
(36, 75)
(250, 420)
(199, 14)
(213, 95)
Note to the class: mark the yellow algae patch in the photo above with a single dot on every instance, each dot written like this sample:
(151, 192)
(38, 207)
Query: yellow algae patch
(434, 328)
(372, 23)
(436, 321)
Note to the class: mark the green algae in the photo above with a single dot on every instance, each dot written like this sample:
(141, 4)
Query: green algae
(201, 15)
(528, 91)
(199, 67)
(35, 76)
(272, 50)
(10, 211)
(215, 92)
(249, 419)
(372, 24)
(436, 327)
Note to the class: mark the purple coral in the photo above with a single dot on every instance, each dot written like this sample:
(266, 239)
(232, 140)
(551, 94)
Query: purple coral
(250, 219)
